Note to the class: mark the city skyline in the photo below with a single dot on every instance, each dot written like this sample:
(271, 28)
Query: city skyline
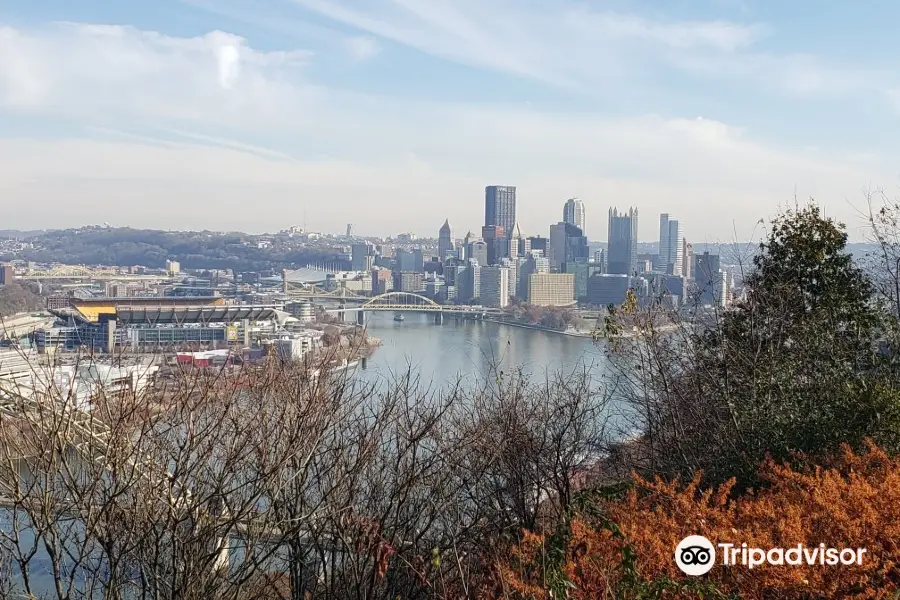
(722, 112)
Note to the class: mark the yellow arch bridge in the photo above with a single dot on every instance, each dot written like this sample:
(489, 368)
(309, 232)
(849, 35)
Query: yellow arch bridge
(409, 302)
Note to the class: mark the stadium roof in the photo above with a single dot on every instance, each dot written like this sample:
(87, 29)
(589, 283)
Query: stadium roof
(148, 300)
(179, 315)
(305, 275)
(67, 313)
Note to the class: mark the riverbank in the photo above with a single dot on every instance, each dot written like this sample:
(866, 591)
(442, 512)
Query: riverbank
(568, 332)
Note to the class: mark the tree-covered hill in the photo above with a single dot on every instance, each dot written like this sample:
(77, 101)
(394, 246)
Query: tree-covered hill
(193, 249)
(15, 298)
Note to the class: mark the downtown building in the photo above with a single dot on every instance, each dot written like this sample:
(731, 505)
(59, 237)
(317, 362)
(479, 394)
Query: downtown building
(671, 246)
(7, 274)
(710, 283)
(410, 260)
(573, 213)
(500, 206)
(551, 289)
(534, 263)
(605, 289)
(362, 257)
(382, 281)
(496, 243)
(409, 281)
(469, 282)
(495, 286)
(514, 273)
(476, 249)
(621, 257)
(567, 244)
(445, 241)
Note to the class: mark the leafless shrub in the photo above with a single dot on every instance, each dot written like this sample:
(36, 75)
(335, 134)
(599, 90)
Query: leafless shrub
(285, 479)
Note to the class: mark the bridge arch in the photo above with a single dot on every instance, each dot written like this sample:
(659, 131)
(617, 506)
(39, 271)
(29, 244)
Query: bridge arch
(401, 299)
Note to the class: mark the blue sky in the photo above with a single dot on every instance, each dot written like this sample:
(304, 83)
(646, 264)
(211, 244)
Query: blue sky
(394, 114)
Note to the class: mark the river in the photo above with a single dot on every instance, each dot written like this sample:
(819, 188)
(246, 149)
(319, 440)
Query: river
(463, 348)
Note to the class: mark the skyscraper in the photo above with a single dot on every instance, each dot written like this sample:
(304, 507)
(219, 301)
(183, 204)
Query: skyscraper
(494, 286)
(522, 245)
(467, 242)
(687, 259)
(539, 243)
(516, 243)
(445, 241)
(478, 250)
(500, 206)
(671, 242)
(567, 244)
(497, 246)
(676, 248)
(512, 264)
(557, 253)
(468, 282)
(708, 278)
(412, 261)
(663, 242)
(7, 274)
(573, 213)
(362, 257)
(530, 265)
(622, 252)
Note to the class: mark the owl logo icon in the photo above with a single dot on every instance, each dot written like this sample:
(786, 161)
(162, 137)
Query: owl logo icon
(695, 555)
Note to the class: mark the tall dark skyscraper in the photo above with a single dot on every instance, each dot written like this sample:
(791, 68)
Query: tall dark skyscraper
(500, 206)
(621, 258)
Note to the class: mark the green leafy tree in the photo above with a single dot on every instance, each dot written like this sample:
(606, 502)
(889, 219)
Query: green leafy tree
(793, 367)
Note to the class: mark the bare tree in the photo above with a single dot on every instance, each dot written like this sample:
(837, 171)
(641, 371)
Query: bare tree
(285, 480)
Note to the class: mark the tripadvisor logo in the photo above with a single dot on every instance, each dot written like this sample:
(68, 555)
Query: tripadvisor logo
(695, 555)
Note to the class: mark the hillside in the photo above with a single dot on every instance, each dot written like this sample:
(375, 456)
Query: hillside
(199, 250)
(15, 298)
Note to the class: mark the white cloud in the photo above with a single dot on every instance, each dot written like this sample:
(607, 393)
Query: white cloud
(229, 65)
(568, 44)
(714, 34)
(209, 131)
(93, 71)
(363, 47)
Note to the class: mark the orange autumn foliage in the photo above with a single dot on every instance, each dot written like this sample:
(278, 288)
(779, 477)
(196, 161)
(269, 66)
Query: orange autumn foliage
(852, 502)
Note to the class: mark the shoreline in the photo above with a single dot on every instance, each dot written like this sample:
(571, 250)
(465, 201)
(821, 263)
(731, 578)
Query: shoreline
(576, 334)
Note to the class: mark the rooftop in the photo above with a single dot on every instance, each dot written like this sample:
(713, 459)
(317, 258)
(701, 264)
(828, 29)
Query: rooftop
(178, 315)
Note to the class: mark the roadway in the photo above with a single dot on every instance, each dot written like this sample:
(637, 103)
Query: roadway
(23, 324)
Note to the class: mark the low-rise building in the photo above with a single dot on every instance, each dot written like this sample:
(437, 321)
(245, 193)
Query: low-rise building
(382, 281)
(551, 289)
(409, 281)
(606, 289)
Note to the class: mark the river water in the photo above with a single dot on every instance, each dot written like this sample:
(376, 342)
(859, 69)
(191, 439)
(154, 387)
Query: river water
(464, 348)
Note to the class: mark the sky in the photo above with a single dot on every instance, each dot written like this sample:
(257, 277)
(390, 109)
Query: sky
(393, 115)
